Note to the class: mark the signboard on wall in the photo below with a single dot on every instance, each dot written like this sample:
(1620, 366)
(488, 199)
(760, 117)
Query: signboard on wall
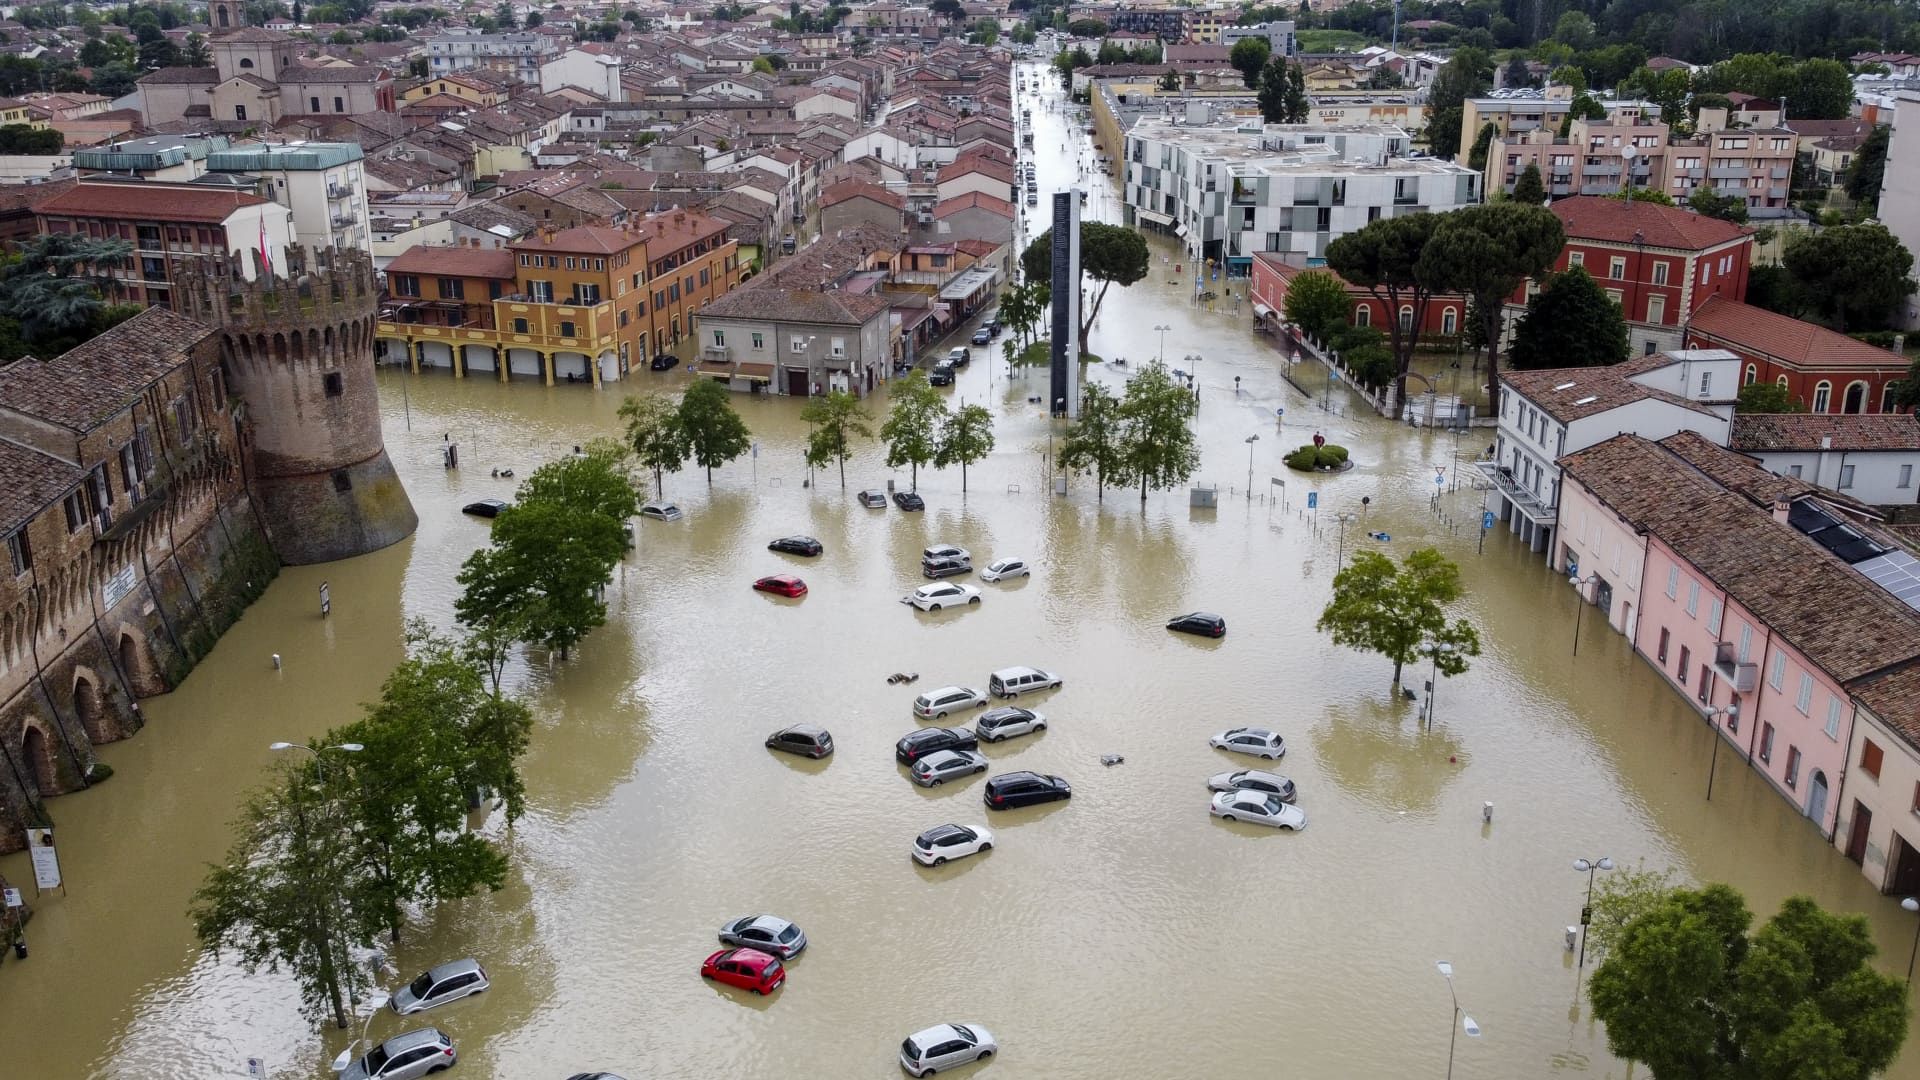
(117, 587)
(46, 861)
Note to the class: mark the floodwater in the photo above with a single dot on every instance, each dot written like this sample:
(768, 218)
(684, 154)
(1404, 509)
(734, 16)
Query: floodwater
(1122, 934)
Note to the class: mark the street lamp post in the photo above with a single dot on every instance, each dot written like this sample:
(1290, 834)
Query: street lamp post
(1343, 517)
(1713, 715)
(1912, 905)
(1587, 867)
(1459, 1023)
(1162, 331)
(1250, 440)
(1193, 373)
(1434, 649)
(378, 1002)
(1580, 605)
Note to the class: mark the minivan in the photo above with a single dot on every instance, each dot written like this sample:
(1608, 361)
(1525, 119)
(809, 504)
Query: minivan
(1014, 681)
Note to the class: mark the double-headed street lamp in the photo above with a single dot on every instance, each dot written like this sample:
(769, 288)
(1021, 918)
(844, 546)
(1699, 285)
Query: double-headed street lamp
(1162, 331)
(1587, 867)
(1459, 1022)
(1580, 600)
(1193, 373)
(1913, 905)
(319, 761)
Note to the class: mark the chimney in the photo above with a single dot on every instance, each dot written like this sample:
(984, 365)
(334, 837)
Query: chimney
(1781, 508)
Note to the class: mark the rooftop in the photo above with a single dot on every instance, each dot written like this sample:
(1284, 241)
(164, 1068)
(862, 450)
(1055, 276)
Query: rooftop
(34, 480)
(1802, 344)
(456, 262)
(1826, 431)
(764, 300)
(1596, 217)
(148, 201)
(1569, 394)
(85, 386)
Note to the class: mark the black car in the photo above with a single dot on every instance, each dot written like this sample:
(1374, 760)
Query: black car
(940, 375)
(1008, 790)
(664, 362)
(796, 545)
(946, 566)
(485, 508)
(907, 500)
(803, 739)
(918, 744)
(983, 335)
(1203, 623)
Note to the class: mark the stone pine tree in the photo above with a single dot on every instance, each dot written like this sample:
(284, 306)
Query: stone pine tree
(912, 428)
(966, 436)
(1384, 258)
(1318, 303)
(834, 420)
(1529, 188)
(714, 431)
(1397, 610)
(1570, 322)
(1109, 254)
(655, 436)
(1097, 440)
(1157, 430)
(1855, 275)
(1487, 252)
(1687, 990)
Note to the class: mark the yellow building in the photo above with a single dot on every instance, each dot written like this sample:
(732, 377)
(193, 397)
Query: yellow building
(476, 92)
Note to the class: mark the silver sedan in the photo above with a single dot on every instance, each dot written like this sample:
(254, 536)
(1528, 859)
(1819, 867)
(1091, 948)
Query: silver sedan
(768, 933)
(943, 765)
(1252, 780)
(1259, 808)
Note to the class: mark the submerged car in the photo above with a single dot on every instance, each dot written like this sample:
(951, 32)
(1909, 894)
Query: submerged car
(1253, 780)
(943, 843)
(768, 933)
(1258, 807)
(748, 969)
(947, 567)
(1005, 570)
(1203, 623)
(781, 585)
(1256, 741)
(439, 985)
(873, 499)
(1008, 790)
(796, 545)
(664, 361)
(907, 500)
(943, 765)
(661, 511)
(404, 1057)
(945, 1046)
(983, 335)
(935, 704)
(940, 375)
(946, 551)
(917, 744)
(1007, 721)
(944, 595)
(807, 740)
(486, 508)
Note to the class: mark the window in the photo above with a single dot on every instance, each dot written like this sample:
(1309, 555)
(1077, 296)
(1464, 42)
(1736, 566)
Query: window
(75, 504)
(1822, 393)
(313, 104)
(566, 329)
(452, 288)
(720, 338)
(1870, 755)
(1778, 675)
(1846, 477)
(1793, 766)
(1713, 618)
(342, 480)
(1673, 582)
(570, 263)
(1706, 685)
(1406, 318)
(1752, 374)
(1362, 315)
(519, 326)
(1766, 743)
(1656, 309)
(333, 384)
(1906, 476)
(1576, 258)
(797, 344)
(1660, 273)
(1686, 657)
(1794, 471)
(1617, 267)
(184, 419)
(1746, 642)
(541, 292)
(586, 295)
(406, 285)
(1804, 700)
(1693, 599)
(1706, 383)
(19, 552)
(1833, 717)
(1448, 322)
(1618, 298)
(759, 341)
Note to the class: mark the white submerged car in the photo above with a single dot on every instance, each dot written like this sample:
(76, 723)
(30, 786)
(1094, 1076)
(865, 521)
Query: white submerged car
(1251, 740)
(944, 594)
(944, 843)
(1259, 807)
(1006, 570)
(945, 1046)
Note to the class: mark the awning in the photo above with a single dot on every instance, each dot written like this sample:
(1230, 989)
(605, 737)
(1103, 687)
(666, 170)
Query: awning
(756, 372)
(942, 313)
(1181, 231)
(1261, 310)
(1157, 219)
(718, 369)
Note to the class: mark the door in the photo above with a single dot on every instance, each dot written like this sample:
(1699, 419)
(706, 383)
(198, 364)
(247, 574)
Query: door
(1857, 839)
(796, 382)
(1603, 595)
(1817, 797)
(1905, 878)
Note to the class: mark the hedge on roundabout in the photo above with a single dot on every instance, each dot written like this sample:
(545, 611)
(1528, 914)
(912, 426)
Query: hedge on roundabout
(1311, 458)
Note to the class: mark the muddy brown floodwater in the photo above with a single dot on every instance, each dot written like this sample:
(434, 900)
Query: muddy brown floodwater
(1123, 934)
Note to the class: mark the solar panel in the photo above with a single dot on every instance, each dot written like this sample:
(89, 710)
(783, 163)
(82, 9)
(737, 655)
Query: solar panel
(1809, 518)
(1897, 572)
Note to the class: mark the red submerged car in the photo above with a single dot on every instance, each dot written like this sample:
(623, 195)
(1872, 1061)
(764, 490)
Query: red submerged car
(781, 585)
(749, 969)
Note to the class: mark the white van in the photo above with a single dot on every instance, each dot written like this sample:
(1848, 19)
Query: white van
(1014, 681)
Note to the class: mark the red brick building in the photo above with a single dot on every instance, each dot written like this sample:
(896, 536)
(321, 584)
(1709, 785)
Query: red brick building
(1659, 263)
(1827, 371)
(1273, 271)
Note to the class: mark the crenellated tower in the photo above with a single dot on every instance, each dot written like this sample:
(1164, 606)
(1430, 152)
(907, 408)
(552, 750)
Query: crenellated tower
(299, 348)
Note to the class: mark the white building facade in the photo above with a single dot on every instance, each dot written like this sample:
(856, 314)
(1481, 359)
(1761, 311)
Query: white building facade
(323, 184)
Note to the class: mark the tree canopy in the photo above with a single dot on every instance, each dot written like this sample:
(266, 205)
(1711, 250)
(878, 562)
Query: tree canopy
(1488, 252)
(1773, 397)
(1249, 57)
(655, 435)
(1570, 322)
(833, 421)
(714, 431)
(1853, 275)
(1467, 73)
(1098, 439)
(912, 428)
(1157, 415)
(1869, 168)
(966, 436)
(1283, 92)
(1396, 610)
(1384, 258)
(1109, 254)
(1530, 188)
(1318, 303)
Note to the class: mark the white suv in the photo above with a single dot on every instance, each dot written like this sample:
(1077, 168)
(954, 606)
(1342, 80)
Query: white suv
(935, 704)
(1014, 681)
(945, 1046)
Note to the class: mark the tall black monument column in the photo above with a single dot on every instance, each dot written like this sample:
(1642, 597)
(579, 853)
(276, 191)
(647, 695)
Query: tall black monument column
(1067, 346)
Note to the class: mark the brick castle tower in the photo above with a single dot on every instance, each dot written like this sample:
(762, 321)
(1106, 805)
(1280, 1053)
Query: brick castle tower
(298, 348)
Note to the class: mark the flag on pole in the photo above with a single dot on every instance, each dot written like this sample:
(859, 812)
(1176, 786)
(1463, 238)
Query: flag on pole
(266, 256)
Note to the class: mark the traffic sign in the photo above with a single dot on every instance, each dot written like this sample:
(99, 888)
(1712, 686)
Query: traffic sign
(1313, 500)
(1486, 519)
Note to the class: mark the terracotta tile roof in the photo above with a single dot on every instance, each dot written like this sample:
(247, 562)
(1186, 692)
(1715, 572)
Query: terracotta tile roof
(594, 239)
(456, 262)
(976, 163)
(1744, 475)
(1798, 344)
(670, 230)
(1595, 217)
(1569, 394)
(153, 202)
(34, 480)
(973, 200)
(855, 189)
(180, 76)
(1895, 699)
(1636, 478)
(1805, 431)
(764, 300)
(85, 386)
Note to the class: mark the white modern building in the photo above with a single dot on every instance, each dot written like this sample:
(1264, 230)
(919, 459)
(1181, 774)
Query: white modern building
(510, 54)
(1279, 35)
(1900, 191)
(596, 73)
(1873, 457)
(1229, 191)
(323, 184)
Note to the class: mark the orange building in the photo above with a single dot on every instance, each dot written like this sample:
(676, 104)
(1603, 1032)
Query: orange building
(585, 304)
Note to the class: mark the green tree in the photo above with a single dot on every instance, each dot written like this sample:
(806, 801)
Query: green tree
(433, 739)
(1569, 76)
(985, 32)
(1467, 73)
(196, 53)
(1318, 303)
(1620, 897)
(914, 421)
(1704, 202)
(1819, 89)
(114, 80)
(1156, 416)
(1569, 323)
(833, 421)
(1642, 194)
(966, 436)
(1249, 57)
(763, 65)
(1854, 275)
(1283, 97)
(26, 139)
(1575, 29)
(504, 17)
(1109, 254)
(714, 431)
(1530, 188)
(1384, 258)
(593, 482)
(1583, 107)
(1098, 440)
(655, 435)
(1022, 307)
(1487, 252)
(51, 292)
(1517, 73)
(1477, 154)
(1395, 610)
(1869, 168)
(273, 902)
(1689, 992)
(1170, 80)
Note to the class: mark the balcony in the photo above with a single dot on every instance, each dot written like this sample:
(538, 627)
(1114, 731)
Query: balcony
(1740, 678)
(1522, 499)
(1729, 172)
(722, 353)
